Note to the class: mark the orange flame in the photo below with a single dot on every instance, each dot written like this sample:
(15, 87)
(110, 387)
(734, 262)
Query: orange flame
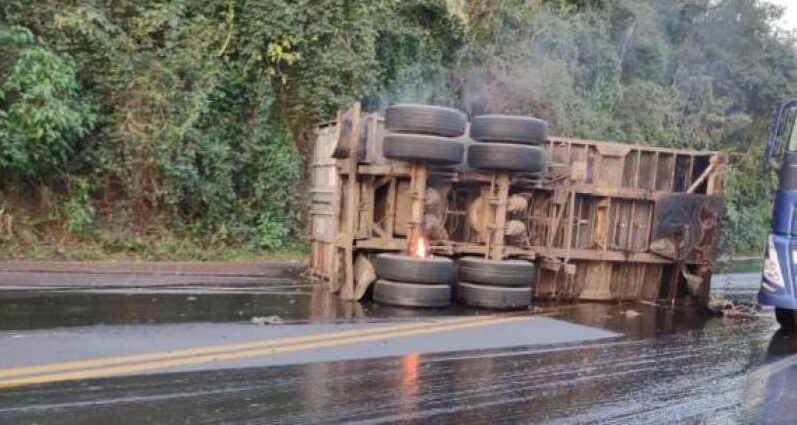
(420, 249)
(418, 246)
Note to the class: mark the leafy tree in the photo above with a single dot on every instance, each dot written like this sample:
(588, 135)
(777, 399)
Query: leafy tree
(42, 111)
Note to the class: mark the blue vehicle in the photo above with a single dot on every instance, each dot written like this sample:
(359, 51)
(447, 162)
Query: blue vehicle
(778, 287)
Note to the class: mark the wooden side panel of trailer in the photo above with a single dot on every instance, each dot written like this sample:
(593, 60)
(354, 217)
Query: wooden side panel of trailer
(601, 281)
(323, 195)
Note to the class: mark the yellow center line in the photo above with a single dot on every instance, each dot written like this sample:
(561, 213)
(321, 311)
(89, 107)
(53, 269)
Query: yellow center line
(258, 352)
(97, 363)
(220, 348)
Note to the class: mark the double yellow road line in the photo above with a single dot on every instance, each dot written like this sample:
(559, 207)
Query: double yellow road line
(132, 364)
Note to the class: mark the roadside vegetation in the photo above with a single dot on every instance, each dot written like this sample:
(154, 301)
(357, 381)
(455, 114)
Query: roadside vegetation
(178, 129)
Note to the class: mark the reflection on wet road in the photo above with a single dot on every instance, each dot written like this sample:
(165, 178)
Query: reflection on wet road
(667, 365)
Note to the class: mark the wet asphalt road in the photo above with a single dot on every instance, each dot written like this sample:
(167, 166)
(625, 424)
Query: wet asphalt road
(631, 364)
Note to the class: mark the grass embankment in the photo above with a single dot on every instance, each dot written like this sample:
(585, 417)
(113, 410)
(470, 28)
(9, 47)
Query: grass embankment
(29, 239)
(115, 247)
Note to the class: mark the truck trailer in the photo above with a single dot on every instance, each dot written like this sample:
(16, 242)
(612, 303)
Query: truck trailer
(583, 219)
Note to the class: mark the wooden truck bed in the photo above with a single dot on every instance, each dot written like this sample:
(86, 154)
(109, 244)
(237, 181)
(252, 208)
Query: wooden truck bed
(607, 221)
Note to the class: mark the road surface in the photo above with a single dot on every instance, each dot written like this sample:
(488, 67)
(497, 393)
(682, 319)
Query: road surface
(180, 352)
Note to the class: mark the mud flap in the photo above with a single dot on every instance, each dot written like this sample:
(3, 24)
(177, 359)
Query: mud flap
(364, 277)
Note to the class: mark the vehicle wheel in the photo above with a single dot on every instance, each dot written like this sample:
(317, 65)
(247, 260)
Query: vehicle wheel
(496, 272)
(411, 294)
(425, 119)
(506, 157)
(493, 297)
(403, 268)
(509, 129)
(420, 148)
(785, 318)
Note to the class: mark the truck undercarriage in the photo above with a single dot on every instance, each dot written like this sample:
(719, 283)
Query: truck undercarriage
(603, 221)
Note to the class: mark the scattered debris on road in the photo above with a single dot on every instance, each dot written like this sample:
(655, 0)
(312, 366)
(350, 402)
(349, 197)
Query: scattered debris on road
(731, 308)
(267, 320)
(631, 314)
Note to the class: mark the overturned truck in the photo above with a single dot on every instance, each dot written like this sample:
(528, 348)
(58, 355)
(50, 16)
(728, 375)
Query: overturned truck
(498, 199)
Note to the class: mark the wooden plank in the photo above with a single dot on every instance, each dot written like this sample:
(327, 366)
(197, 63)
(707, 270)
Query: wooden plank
(452, 248)
(498, 203)
(324, 195)
(365, 209)
(598, 278)
(647, 171)
(611, 165)
(390, 208)
(352, 203)
(630, 167)
(556, 214)
(631, 227)
(569, 230)
(586, 220)
(399, 244)
(337, 208)
(398, 170)
(600, 232)
(665, 168)
(403, 208)
(646, 148)
(577, 222)
(641, 226)
(620, 218)
(596, 255)
(619, 192)
(651, 282)
(705, 175)
(417, 205)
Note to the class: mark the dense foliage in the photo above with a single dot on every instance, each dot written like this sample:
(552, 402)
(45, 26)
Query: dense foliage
(696, 74)
(125, 120)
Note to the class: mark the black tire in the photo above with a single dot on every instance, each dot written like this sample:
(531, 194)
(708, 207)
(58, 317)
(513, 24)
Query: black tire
(496, 272)
(493, 297)
(425, 119)
(786, 319)
(411, 294)
(403, 268)
(506, 157)
(420, 148)
(509, 129)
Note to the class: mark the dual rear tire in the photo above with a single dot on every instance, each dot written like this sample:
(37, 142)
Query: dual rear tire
(494, 284)
(404, 294)
(509, 129)
(430, 134)
(493, 297)
(508, 143)
(407, 281)
(506, 157)
(425, 134)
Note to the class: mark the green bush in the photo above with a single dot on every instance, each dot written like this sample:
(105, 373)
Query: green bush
(190, 116)
(43, 111)
(78, 209)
